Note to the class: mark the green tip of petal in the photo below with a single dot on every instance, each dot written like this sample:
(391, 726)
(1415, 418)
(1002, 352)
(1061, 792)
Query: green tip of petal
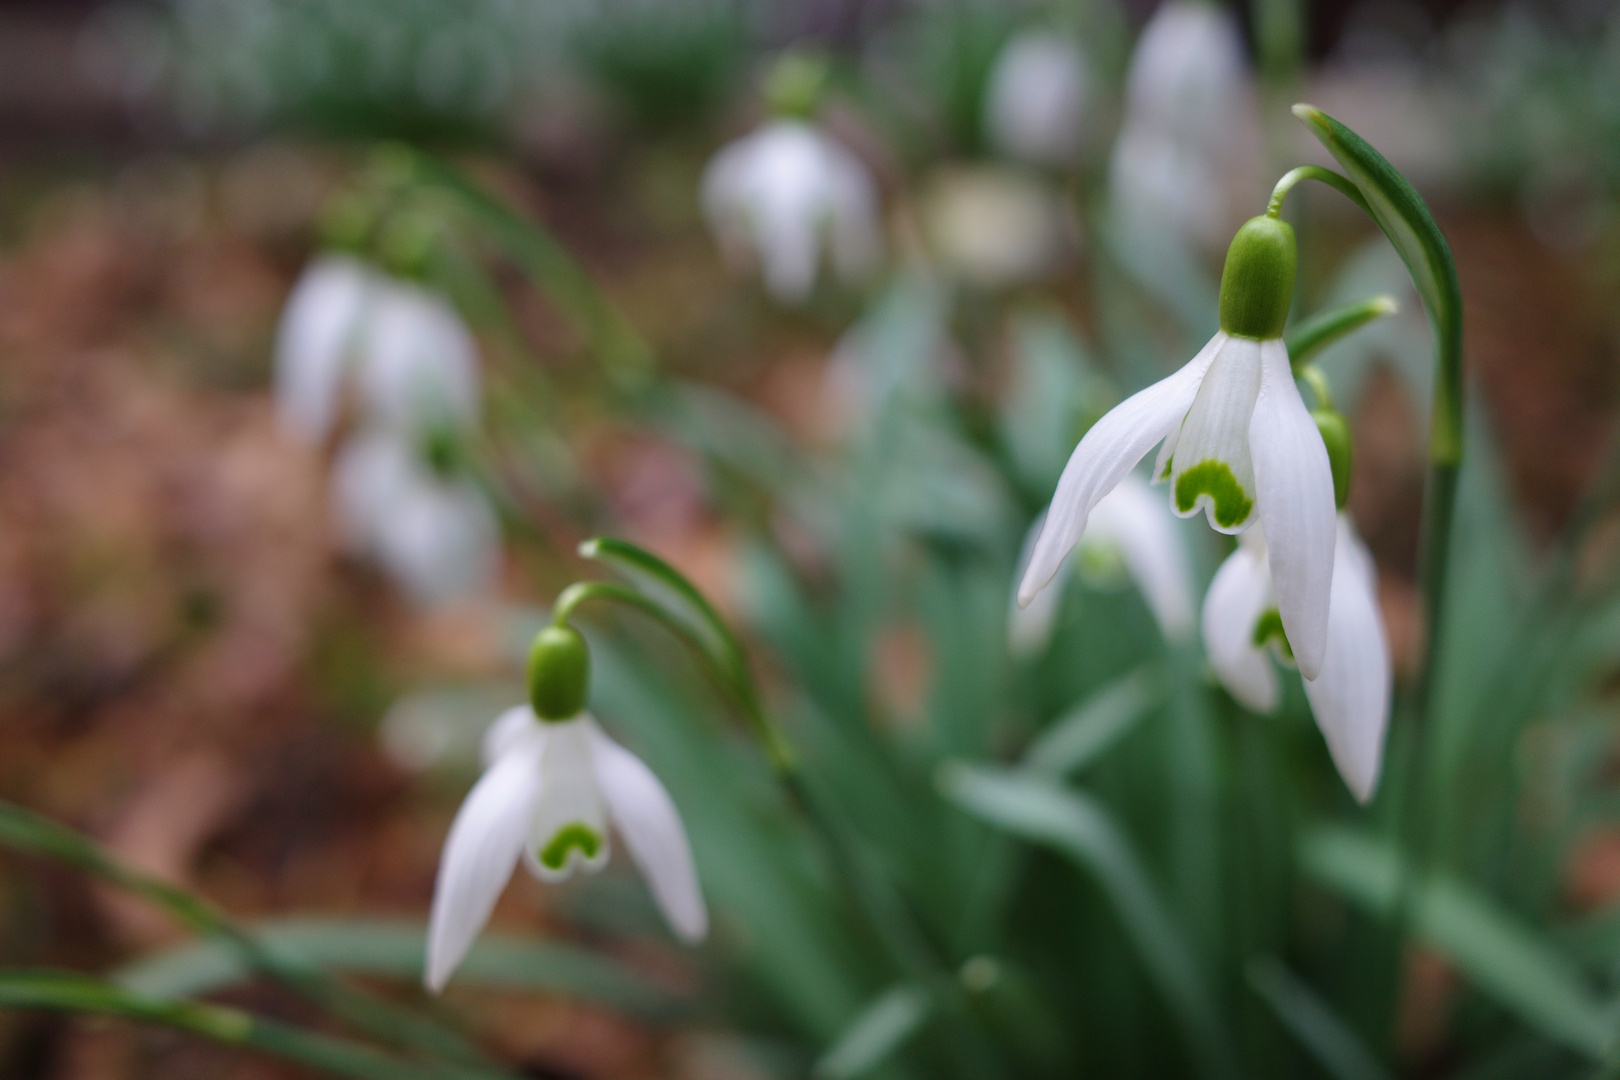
(1268, 630)
(554, 856)
(1214, 478)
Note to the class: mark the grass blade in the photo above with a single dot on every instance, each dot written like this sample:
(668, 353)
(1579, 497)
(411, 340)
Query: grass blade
(70, 992)
(395, 950)
(1088, 730)
(1502, 956)
(1332, 1042)
(1082, 829)
(880, 1029)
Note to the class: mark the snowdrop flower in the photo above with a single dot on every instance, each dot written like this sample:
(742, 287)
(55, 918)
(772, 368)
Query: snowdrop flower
(995, 226)
(552, 784)
(782, 193)
(1350, 694)
(1238, 444)
(1129, 528)
(1035, 106)
(434, 533)
(403, 347)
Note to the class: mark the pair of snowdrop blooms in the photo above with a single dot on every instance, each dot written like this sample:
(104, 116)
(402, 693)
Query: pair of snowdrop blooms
(1237, 443)
(553, 782)
(409, 363)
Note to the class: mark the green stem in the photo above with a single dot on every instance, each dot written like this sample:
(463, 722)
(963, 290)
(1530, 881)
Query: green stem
(1313, 378)
(1343, 184)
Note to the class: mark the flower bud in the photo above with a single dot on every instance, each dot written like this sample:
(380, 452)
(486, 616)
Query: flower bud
(1257, 285)
(559, 673)
(794, 87)
(1336, 436)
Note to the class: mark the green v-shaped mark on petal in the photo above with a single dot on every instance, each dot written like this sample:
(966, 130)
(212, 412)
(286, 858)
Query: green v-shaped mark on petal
(554, 855)
(1214, 478)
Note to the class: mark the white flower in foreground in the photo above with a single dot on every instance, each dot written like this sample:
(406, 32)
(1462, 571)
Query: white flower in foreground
(1238, 443)
(436, 535)
(1350, 695)
(1130, 528)
(403, 347)
(783, 192)
(549, 791)
(1036, 103)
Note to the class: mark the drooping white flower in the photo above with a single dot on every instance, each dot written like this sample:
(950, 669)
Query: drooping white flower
(1130, 528)
(402, 347)
(1035, 107)
(1189, 122)
(1350, 695)
(548, 795)
(995, 226)
(435, 535)
(1237, 443)
(782, 194)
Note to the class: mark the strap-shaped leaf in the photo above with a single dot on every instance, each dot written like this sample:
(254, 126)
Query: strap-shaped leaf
(1081, 828)
(1331, 1041)
(1401, 212)
(1502, 956)
(390, 949)
(880, 1029)
(64, 991)
(1087, 731)
(1306, 339)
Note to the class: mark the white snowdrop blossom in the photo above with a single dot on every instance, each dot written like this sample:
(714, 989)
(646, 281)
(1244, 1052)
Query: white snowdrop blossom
(782, 194)
(1351, 693)
(1035, 107)
(995, 226)
(437, 536)
(401, 347)
(1129, 528)
(1189, 120)
(1237, 443)
(548, 794)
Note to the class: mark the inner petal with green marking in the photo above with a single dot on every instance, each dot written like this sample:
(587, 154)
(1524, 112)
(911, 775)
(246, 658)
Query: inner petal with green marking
(576, 834)
(1268, 630)
(1229, 503)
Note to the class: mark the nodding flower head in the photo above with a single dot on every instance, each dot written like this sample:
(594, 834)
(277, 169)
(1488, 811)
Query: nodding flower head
(553, 784)
(1236, 442)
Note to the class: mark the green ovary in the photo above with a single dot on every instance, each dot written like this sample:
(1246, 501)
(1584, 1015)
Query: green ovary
(554, 856)
(1214, 478)
(1268, 630)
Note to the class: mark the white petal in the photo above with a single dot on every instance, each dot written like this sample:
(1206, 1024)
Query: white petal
(1212, 469)
(1351, 696)
(420, 364)
(479, 854)
(316, 331)
(647, 819)
(506, 732)
(1106, 453)
(1295, 486)
(1136, 522)
(570, 806)
(856, 233)
(440, 540)
(1239, 593)
(1029, 628)
(370, 476)
(1035, 102)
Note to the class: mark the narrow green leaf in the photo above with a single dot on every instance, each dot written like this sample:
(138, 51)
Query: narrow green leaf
(881, 1028)
(1401, 212)
(70, 992)
(1331, 1041)
(1087, 731)
(1306, 339)
(22, 830)
(377, 947)
(671, 590)
(1082, 829)
(1504, 957)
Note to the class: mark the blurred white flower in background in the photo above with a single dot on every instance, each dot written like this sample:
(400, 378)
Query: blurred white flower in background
(1130, 532)
(1035, 107)
(1190, 126)
(401, 357)
(434, 532)
(548, 793)
(995, 226)
(781, 195)
(1350, 696)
